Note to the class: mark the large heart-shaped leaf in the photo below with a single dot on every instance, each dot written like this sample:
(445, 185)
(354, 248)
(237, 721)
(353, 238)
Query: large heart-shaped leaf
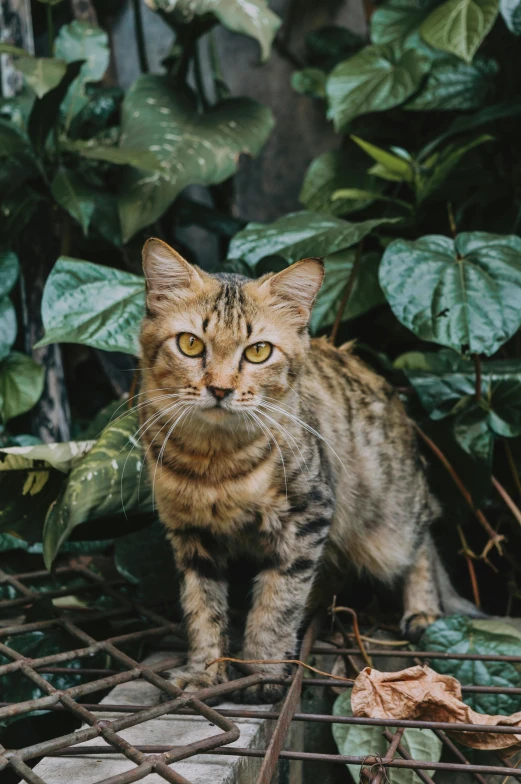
(375, 79)
(42, 73)
(398, 22)
(74, 195)
(21, 385)
(457, 634)
(141, 159)
(82, 41)
(463, 293)
(365, 294)
(511, 13)
(453, 85)
(193, 148)
(334, 170)
(8, 326)
(297, 235)
(249, 17)
(109, 480)
(365, 741)
(459, 26)
(94, 305)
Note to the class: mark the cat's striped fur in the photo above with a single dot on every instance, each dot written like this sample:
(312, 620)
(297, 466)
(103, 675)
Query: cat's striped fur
(249, 473)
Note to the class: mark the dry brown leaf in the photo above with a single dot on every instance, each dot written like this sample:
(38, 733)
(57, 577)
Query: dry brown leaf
(419, 693)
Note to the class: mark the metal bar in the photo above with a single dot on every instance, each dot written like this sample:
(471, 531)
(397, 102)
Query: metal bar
(422, 654)
(404, 754)
(457, 753)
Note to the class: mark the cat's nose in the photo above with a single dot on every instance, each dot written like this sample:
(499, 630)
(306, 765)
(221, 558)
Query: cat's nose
(219, 392)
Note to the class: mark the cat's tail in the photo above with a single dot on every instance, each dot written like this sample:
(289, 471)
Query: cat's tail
(452, 602)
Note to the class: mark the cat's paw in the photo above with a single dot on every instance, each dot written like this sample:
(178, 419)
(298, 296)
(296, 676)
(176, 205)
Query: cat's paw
(414, 624)
(261, 694)
(192, 681)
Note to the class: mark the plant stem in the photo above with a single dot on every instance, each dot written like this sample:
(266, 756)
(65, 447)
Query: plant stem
(452, 222)
(507, 499)
(477, 366)
(199, 80)
(347, 292)
(50, 29)
(468, 555)
(512, 466)
(140, 36)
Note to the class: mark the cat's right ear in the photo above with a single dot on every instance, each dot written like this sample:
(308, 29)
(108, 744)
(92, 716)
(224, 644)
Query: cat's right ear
(168, 276)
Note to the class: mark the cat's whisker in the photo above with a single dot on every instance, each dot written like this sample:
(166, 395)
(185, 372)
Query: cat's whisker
(161, 451)
(165, 410)
(271, 435)
(287, 434)
(307, 427)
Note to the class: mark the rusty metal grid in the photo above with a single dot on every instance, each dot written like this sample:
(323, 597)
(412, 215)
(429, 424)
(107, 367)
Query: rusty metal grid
(158, 758)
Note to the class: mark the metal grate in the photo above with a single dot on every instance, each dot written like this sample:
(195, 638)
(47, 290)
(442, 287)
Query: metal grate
(158, 758)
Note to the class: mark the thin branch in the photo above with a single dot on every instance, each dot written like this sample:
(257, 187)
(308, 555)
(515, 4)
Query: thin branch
(507, 499)
(452, 222)
(469, 555)
(347, 292)
(512, 465)
(356, 631)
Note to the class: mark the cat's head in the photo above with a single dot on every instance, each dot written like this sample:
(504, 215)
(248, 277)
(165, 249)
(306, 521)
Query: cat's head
(224, 342)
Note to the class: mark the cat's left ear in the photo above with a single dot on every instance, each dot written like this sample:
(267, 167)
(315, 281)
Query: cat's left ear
(297, 286)
(167, 274)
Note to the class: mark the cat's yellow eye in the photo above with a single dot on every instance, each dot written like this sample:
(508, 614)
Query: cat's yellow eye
(190, 345)
(258, 352)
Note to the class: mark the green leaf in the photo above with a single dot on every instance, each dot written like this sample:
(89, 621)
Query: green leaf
(13, 141)
(94, 305)
(109, 480)
(459, 26)
(473, 434)
(511, 13)
(437, 168)
(99, 112)
(363, 741)
(464, 294)
(82, 41)
(193, 148)
(141, 159)
(334, 170)
(457, 634)
(21, 385)
(398, 22)
(392, 166)
(42, 73)
(365, 295)
(309, 81)
(8, 326)
(455, 86)
(74, 195)
(14, 51)
(9, 271)
(44, 114)
(297, 235)
(375, 79)
(248, 17)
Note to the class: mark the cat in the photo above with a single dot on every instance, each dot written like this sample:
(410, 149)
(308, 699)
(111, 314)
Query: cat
(264, 442)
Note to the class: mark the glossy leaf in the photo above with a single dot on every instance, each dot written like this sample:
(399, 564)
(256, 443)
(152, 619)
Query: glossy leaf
(248, 17)
(9, 271)
(364, 741)
(94, 305)
(8, 326)
(365, 294)
(455, 86)
(464, 294)
(82, 41)
(375, 79)
(334, 170)
(74, 195)
(310, 82)
(398, 22)
(463, 635)
(298, 235)
(21, 385)
(109, 480)
(459, 26)
(42, 73)
(511, 13)
(193, 148)
(141, 159)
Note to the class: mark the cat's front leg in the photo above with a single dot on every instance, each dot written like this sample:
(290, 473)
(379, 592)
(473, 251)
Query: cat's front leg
(280, 597)
(204, 599)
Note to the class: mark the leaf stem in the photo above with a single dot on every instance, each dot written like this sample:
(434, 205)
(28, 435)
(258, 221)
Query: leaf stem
(512, 465)
(507, 499)
(347, 292)
(477, 366)
(199, 79)
(469, 555)
(140, 36)
(452, 222)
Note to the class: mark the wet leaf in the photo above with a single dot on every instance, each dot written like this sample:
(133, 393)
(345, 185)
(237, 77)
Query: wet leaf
(459, 26)
(94, 305)
(109, 480)
(458, 634)
(192, 148)
(21, 385)
(375, 79)
(463, 294)
(298, 235)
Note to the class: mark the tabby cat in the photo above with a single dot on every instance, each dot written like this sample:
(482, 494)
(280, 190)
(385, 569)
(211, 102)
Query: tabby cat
(263, 442)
